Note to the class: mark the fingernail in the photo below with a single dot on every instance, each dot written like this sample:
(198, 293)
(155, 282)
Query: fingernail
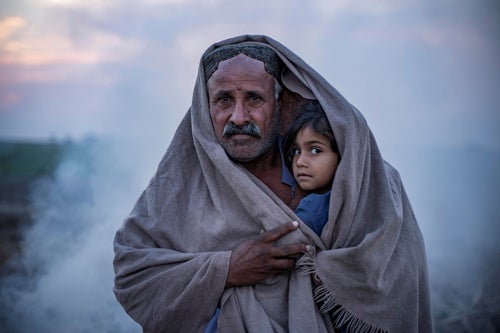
(295, 224)
(308, 248)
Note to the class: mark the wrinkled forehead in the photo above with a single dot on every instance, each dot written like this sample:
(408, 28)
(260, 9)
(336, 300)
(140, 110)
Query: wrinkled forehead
(272, 63)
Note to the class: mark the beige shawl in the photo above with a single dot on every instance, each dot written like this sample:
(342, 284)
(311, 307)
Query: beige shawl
(172, 252)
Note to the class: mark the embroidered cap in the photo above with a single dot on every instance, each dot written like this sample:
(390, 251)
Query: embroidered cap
(272, 62)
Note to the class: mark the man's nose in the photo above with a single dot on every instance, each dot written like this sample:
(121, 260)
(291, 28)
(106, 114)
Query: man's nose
(240, 115)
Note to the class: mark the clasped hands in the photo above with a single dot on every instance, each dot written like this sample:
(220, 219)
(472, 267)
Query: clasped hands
(255, 260)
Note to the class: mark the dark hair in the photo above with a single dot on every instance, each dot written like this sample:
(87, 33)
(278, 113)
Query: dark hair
(312, 115)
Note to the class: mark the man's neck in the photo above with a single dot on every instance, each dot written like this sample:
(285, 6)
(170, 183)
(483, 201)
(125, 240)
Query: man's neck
(267, 168)
(262, 166)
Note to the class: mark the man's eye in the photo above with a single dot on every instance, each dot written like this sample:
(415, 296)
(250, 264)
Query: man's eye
(223, 101)
(254, 99)
(253, 96)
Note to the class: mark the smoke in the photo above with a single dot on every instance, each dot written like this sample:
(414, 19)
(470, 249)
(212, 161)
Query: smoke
(454, 192)
(64, 277)
(63, 281)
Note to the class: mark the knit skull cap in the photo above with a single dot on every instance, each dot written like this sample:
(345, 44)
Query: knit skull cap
(272, 63)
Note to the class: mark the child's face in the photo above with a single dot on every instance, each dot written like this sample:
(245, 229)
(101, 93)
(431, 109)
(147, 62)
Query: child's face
(314, 161)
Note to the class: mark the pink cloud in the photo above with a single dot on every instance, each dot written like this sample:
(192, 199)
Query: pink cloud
(31, 53)
(10, 25)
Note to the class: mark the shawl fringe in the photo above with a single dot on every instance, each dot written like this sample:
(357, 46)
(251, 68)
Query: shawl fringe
(324, 298)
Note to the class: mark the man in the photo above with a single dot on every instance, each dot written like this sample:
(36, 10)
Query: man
(244, 110)
(213, 232)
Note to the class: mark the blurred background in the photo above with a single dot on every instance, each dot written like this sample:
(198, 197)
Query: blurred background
(91, 92)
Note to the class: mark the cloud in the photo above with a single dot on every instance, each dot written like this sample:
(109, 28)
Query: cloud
(9, 25)
(365, 7)
(33, 50)
(33, 53)
(98, 4)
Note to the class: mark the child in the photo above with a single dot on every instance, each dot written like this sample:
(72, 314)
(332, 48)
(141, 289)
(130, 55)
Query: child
(313, 157)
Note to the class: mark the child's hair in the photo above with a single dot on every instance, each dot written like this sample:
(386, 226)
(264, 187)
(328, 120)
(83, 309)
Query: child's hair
(314, 116)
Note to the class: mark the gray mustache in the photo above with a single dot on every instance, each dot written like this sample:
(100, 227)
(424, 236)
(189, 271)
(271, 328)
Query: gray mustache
(248, 128)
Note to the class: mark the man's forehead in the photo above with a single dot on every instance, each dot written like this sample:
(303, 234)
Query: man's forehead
(229, 86)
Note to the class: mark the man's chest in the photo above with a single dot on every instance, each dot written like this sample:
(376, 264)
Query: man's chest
(282, 190)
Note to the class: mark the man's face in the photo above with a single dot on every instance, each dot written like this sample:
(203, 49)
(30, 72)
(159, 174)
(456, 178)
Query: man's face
(243, 107)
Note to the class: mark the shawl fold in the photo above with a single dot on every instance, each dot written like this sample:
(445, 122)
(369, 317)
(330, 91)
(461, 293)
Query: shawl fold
(172, 252)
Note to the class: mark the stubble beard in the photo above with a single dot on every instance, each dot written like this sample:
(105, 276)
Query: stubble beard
(252, 148)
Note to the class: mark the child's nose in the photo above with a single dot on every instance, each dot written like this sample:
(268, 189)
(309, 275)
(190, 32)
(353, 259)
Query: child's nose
(301, 161)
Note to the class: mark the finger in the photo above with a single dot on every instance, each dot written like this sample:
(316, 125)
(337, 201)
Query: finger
(283, 264)
(289, 250)
(278, 232)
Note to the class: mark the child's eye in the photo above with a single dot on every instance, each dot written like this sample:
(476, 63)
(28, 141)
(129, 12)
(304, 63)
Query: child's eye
(295, 152)
(315, 150)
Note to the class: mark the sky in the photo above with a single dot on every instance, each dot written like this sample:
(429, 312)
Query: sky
(425, 74)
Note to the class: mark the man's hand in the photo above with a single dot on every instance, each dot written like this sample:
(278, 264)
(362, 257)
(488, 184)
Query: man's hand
(256, 260)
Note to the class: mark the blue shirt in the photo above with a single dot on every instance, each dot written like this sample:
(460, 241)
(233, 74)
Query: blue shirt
(313, 210)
